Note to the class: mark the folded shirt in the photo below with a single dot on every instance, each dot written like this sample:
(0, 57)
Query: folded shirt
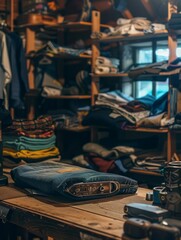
(103, 70)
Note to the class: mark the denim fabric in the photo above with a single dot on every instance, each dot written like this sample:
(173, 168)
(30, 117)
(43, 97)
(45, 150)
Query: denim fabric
(160, 105)
(55, 178)
(19, 85)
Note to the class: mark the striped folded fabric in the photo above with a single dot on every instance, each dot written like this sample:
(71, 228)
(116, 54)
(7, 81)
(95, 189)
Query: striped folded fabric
(42, 122)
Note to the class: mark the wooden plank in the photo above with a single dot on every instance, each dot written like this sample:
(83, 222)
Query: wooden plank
(95, 53)
(114, 209)
(30, 46)
(136, 37)
(10, 192)
(146, 130)
(172, 40)
(41, 226)
(178, 101)
(68, 97)
(110, 75)
(80, 26)
(172, 45)
(146, 76)
(145, 172)
(35, 215)
(103, 217)
(75, 129)
(149, 130)
(12, 16)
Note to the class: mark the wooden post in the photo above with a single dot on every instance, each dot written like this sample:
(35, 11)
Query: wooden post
(95, 54)
(12, 16)
(30, 45)
(172, 40)
(172, 45)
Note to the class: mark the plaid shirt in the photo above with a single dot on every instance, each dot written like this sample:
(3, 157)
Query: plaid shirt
(41, 123)
(36, 134)
(32, 134)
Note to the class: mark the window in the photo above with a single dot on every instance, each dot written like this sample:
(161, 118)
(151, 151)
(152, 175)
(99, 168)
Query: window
(143, 57)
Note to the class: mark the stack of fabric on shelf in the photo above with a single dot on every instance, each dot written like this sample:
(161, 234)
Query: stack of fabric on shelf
(174, 68)
(46, 76)
(106, 65)
(113, 110)
(30, 141)
(120, 158)
(125, 27)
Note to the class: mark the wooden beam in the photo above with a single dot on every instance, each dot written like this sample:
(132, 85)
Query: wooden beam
(127, 14)
(12, 16)
(95, 54)
(30, 46)
(149, 8)
(172, 39)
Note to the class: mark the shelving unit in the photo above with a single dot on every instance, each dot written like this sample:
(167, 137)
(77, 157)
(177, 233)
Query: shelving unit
(30, 33)
(30, 46)
(95, 26)
(172, 44)
(33, 97)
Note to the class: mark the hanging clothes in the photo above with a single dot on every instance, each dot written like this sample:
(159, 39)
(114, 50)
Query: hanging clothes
(5, 69)
(19, 84)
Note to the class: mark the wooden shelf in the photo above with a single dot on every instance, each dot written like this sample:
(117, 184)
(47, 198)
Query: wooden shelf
(145, 172)
(146, 130)
(110, 75)
(134, 38)
(69, 97)
(71, 26)
(61, 55)
(75, 129)
(149, 130)
(79, 26)
(160, 77)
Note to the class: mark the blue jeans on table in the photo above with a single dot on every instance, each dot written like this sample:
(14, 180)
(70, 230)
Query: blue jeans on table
(54, 178)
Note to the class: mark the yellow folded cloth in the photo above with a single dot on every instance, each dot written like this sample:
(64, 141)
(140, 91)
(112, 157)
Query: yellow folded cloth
(27, 154)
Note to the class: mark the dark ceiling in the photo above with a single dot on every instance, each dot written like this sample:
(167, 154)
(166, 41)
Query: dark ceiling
(154, 10)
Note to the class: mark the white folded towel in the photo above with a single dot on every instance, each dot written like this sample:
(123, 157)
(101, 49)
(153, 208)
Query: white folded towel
(103, 70)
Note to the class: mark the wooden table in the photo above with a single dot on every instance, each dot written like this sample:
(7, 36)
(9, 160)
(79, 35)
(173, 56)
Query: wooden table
(51, 218)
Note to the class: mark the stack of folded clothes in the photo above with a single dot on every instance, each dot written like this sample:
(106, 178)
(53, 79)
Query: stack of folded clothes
(120, 159)
(30, 141)
(106, 65)
(125, 27)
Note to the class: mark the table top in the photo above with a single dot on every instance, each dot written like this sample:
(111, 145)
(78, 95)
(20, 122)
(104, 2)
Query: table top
(102, 217)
